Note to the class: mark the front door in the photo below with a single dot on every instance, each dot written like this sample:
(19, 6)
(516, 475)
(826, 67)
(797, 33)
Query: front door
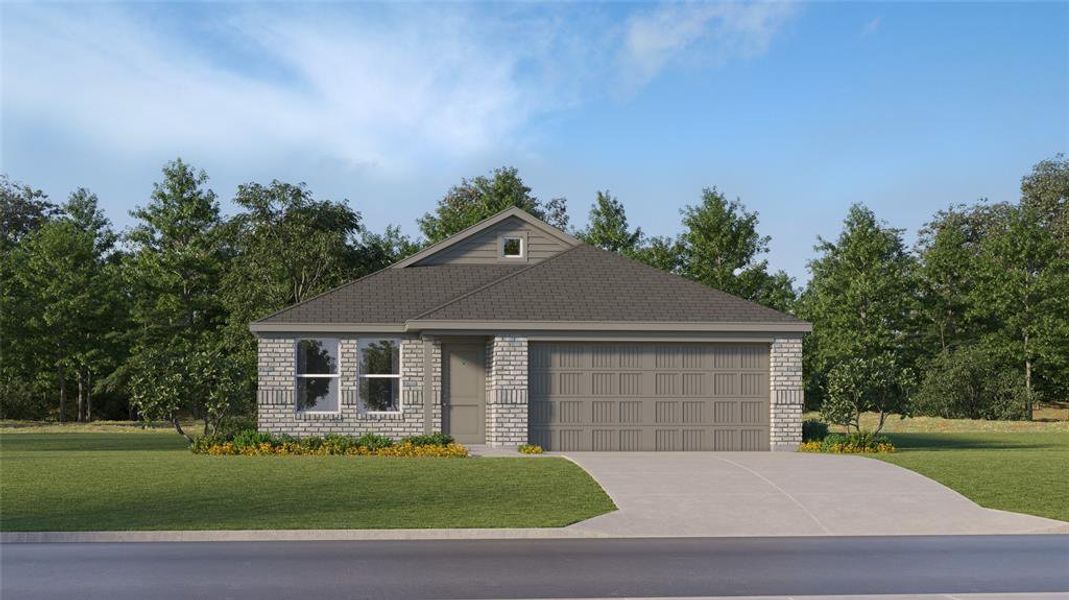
(464, 410)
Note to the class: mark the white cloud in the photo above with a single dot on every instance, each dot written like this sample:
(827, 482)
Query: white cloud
(347, 85)
(708, 33)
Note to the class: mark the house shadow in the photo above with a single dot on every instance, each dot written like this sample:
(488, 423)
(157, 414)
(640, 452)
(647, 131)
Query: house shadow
(967, 441)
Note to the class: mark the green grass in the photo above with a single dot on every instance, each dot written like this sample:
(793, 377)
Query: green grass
(1026, 472)
(148, 480)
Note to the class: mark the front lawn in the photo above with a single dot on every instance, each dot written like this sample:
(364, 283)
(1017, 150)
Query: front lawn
(1026, 472)
(86, 481)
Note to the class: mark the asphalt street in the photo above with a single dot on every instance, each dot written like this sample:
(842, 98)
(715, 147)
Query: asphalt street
(588, 568)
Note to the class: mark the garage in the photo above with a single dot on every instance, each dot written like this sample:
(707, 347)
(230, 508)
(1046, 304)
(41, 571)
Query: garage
(648, 396)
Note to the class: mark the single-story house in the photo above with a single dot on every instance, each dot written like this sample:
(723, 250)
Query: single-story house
(514, 332)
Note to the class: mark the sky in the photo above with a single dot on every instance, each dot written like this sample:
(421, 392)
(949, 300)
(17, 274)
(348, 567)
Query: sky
(797, 109)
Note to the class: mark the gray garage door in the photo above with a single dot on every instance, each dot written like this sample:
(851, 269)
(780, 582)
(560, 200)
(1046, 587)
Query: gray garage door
(616, 396)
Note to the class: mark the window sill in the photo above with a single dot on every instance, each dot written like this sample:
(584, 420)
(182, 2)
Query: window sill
(318, 416)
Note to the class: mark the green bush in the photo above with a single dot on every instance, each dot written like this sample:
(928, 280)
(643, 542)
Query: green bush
(970, 383)
(374, 441)
(863, 442)
(430, 439)
(814, 430)
(249, 438)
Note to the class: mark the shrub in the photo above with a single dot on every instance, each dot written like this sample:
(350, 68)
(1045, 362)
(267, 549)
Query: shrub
(374, 441)
(861, 442)
(253, 443)
(970, 383)
(814, 430)
(430, 439)
(250, 437)
(530, 449)
(878, 384)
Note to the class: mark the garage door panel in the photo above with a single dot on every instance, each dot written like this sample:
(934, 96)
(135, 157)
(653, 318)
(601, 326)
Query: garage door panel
(609, 397)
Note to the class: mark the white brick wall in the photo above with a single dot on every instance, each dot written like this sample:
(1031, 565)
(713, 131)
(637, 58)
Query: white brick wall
(276, 409)
(506, 391)
(785, 379)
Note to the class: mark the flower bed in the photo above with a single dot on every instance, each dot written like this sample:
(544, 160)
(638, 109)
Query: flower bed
(253, 443)
(855, 443)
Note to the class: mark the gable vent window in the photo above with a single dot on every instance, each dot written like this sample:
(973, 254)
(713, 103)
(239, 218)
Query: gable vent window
(512, 247)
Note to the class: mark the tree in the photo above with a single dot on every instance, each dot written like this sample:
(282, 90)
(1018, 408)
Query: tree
(661, 252)
(174, 272)
(476, 199)
(23, 209)
(866, 384)
(1046, 192)
(947, 247)
(860, 299)
(75, 293)
(380, 250)
(608, 228)
(1023, 295)
(286, 246)
(970, 383)
(720, 245)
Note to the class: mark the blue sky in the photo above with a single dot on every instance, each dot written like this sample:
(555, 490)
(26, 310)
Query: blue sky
(798, 109)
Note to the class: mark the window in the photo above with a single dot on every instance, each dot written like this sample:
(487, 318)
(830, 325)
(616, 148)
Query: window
(317, 375)
(380, 375)
(512, 247)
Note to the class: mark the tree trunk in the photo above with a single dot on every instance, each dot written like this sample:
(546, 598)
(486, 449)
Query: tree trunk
(88, 396)
(62, 396)
(81, 398)
(1028, 389)
(1027, 381)
(178, 428)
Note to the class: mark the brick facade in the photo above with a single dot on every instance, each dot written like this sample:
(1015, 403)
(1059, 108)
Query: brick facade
(785, 383)
(276, 409)
(506, 391)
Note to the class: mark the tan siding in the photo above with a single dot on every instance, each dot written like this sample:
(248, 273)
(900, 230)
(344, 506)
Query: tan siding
(483, 248)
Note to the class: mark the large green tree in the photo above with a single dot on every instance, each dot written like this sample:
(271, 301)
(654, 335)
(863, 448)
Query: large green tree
(608, 228)
(480, 197)
(66, 275)
(721, 247)
(174, 273)
(860, 300)
(1022, 296)
(1045, 191)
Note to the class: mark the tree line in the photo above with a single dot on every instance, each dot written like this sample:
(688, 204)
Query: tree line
(971, 321)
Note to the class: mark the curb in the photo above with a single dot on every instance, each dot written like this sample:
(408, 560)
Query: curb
(290, 535)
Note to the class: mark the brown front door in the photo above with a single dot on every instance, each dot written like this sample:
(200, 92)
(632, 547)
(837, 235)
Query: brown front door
(464, 410)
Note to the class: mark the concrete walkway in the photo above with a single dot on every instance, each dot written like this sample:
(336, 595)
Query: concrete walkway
(717, 494)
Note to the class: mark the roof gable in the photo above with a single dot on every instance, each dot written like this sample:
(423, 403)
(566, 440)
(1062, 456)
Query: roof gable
(478, 243)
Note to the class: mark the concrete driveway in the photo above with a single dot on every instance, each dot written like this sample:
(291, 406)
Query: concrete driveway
(782, 494)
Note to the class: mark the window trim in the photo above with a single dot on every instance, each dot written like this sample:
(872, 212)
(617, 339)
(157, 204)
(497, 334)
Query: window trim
(517, 235)
(398, 376)
(298, 376)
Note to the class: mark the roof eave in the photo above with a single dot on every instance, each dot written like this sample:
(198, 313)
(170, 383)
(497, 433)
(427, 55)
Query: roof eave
(651, 326)
(275, 327)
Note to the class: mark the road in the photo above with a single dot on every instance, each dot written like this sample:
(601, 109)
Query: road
(537, 568)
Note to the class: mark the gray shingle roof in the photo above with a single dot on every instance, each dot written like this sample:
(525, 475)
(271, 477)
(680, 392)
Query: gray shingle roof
(392, 295)
(584, 284)
(589, 284)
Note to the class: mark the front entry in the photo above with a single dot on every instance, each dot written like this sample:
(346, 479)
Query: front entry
(464, 401)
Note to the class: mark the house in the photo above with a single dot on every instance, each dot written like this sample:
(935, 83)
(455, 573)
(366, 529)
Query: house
(512, 331)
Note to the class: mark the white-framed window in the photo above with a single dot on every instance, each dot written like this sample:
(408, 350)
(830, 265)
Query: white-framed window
(512, 246)
(317, 375)
(380, 375)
